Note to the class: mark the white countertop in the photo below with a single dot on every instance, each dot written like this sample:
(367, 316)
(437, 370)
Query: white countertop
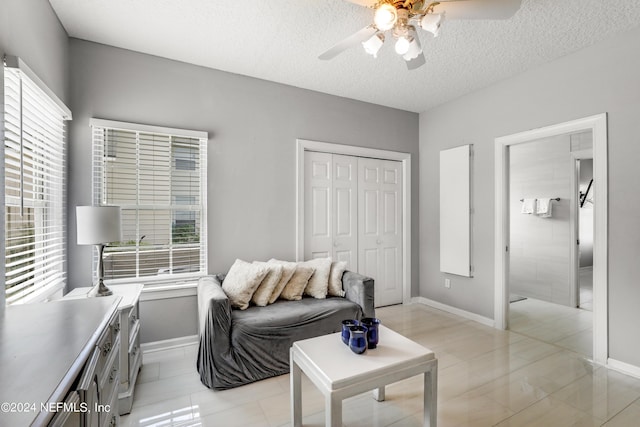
(43, 347)
(129, 293)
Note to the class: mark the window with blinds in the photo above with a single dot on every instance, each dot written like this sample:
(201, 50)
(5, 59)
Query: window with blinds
(158, 178)
(34, 186)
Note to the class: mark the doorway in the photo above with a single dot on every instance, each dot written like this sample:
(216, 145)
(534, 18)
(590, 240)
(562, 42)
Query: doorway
(544, 212)
(597, 125)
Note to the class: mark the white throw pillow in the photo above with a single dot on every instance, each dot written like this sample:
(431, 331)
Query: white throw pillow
(318, 283)
(294, 288)
(335, 278)
(288, 269)
(262, 295)
(242, 281)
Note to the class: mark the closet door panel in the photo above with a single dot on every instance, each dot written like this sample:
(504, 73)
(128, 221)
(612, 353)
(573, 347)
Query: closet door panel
(380, 222)
(318, 205)
(391, 233)
(345, 202)
(369, 218)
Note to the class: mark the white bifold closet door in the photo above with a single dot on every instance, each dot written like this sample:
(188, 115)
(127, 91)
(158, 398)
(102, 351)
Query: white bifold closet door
(380, 227)
(353, 213)
(330, 206)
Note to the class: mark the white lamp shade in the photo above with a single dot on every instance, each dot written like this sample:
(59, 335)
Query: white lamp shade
(98, 224)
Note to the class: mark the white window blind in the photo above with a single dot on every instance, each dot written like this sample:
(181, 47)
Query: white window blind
(35, 196)
(158, 178)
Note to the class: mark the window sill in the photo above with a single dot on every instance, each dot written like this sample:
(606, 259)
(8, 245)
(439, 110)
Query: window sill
(152, 292)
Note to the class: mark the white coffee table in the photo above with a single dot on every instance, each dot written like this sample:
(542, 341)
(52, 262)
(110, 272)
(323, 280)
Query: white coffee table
(339, 373)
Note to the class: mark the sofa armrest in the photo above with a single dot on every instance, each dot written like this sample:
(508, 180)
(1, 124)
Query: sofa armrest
(214, 314)
(359, 289)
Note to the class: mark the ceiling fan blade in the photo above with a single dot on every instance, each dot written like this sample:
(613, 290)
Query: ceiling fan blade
(365, 3)
(478, 9)
(353, 40)
(416, 62)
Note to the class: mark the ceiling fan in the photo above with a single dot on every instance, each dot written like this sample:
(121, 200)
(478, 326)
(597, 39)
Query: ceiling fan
(401, 18)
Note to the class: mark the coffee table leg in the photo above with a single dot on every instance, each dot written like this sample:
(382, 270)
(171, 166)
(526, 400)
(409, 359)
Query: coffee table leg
(296, 393)
(431, 397)
(333, 411)
(378, 394)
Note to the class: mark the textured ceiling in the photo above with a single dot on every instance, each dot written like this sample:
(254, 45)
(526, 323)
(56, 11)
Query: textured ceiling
(280, 41)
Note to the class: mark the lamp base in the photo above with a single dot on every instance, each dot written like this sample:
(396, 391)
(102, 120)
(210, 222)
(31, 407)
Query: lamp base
(100, 290)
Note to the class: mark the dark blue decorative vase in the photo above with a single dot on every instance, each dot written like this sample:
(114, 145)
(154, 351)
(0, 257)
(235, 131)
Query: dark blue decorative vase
(371, 323)
(358, 340)
(346, 333)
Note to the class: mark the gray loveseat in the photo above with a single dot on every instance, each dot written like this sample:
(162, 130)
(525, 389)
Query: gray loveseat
(238, 347)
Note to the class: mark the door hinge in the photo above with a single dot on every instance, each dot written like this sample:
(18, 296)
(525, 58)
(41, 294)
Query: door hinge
(506, 248)
(578, 242)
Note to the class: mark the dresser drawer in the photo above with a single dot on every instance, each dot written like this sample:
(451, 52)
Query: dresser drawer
(111, 418)
(109, 378)
(107, 344)
(133, 316)
(134, 353)
(70, 417)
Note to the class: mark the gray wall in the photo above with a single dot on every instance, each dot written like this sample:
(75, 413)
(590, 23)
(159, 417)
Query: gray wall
(540, 248)
(253, 125)
(601, 78)
(29, 29)
(167, 318)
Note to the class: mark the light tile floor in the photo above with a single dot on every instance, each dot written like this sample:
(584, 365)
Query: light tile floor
(566, 327)
(486, 377)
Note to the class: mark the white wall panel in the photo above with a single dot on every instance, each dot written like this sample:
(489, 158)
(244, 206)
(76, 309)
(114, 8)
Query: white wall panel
(455, 211)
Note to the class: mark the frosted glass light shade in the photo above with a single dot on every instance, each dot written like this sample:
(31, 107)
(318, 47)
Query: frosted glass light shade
(98, 224)
(402, 45)
(414, 49)
(431, 22)
(373, 45)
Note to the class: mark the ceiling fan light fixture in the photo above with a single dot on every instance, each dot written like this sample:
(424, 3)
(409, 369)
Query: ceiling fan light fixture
(385, 17)
(431, 22)
(403, 44)
(373, 45)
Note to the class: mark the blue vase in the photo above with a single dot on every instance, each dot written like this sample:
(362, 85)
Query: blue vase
(346, 333)
(371, 323)
(358, 339)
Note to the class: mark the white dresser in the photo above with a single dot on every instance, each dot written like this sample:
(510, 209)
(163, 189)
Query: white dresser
(130, 353)
(59, 363)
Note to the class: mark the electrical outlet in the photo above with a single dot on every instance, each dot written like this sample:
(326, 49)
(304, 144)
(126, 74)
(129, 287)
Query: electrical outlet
(447, 283)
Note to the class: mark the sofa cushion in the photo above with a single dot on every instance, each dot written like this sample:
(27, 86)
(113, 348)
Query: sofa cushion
(318, 283)
(294, 289)
(262, 295)
(288, 269)
(335, 278)
(241, 282)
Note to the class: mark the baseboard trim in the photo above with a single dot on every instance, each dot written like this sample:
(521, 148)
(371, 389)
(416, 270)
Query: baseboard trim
(150, 347)
(623, 367)
(453, 310)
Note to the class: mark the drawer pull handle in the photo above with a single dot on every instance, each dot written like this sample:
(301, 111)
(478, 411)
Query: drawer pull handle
(106, 349)
(113, 375)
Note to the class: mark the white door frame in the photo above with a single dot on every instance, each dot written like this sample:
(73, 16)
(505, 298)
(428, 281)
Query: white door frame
(303, 145)
(598, 125)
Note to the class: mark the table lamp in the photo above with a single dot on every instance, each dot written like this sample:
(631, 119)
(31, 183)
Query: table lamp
(98, 225)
